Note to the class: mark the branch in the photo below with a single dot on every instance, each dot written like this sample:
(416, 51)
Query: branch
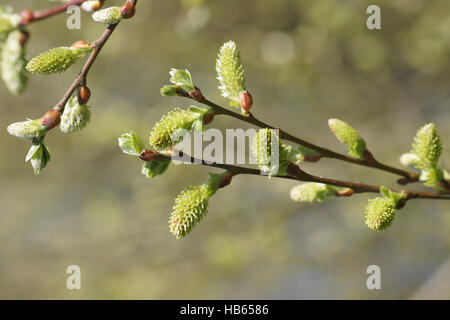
(97, 45)
(81, 78)
(29, 16)
(295, 173)
(408, 177)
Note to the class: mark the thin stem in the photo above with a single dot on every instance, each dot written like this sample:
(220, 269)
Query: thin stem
(97, 45)
(299, 175)
(327, 153)
(47, 13)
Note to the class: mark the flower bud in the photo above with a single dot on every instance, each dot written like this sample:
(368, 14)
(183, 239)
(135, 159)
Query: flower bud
(347, 192)
(225, 180)
(350, 137)
(92, 5)
(312, 192)
(196, 94)
(110, 15)
(169, 91)
(297, 154)
(55, 60)
(148, 155)
(190, 208)
(23, 37)
(230, 73)
(368, 156)
(83, 94)
(427, 147)
(128, 10)
(26, 16)
(164, 133)
(312, 157)
(29, 129)
(380, 213)
(409, 159)
(13, 63)
(51, 119)
(270, 160)
(245, 100)
(76, 116)
(8, 22)
(208, 117)
(81, 44)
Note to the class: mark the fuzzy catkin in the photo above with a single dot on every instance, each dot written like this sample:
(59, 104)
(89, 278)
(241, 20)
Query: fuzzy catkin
(380, 213)
(230, 72)
(190, 208)
(164, 133)
(53, 61)
(13, 64)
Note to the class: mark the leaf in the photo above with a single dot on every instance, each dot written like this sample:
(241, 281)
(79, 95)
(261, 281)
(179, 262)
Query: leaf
(182, 78)
(131, 144)
(155, 167)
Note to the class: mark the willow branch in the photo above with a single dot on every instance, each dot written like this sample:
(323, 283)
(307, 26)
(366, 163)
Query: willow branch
(50, 12)
(297, 174)
(97, 45)
(326, 153)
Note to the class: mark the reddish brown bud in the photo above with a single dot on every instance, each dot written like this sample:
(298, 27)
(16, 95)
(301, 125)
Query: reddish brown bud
(312, 157)
(246, 100)
(23, 37)
(403, 181)
(208, 118)
(81, 44)
(51, 119)
(128, 10)
(26, 16)
(345, 193)
(148, 155)
(445, 184)
(226, 180)
(401, 203)
(368, 156)
(196, 94)
(84, 94)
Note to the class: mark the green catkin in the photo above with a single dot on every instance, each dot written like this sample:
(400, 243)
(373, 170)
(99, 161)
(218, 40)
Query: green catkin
(163, 135)
(75, 116)
(230, 72)
(190, 208)
(380, 213)
(312, 192)
(13, 64)
(191, 205)
(28, 129)
(427, 147)
(53, 61)
(348, 136)
(262, 152)
(108, 15)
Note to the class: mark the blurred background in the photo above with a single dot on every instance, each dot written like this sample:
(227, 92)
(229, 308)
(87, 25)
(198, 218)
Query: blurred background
(306, 61)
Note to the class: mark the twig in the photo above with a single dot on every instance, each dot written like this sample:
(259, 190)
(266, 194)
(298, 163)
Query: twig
(81, 78)
(327, 153)
(295, 173)
(97, 45)
(47, 13)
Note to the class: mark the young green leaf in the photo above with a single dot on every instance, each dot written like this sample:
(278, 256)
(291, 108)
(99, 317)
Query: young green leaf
(130, 143)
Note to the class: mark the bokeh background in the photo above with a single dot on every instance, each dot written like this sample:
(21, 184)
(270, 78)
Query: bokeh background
(306, 61)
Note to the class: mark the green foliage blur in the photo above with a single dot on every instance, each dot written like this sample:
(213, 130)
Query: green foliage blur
(306, 61)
